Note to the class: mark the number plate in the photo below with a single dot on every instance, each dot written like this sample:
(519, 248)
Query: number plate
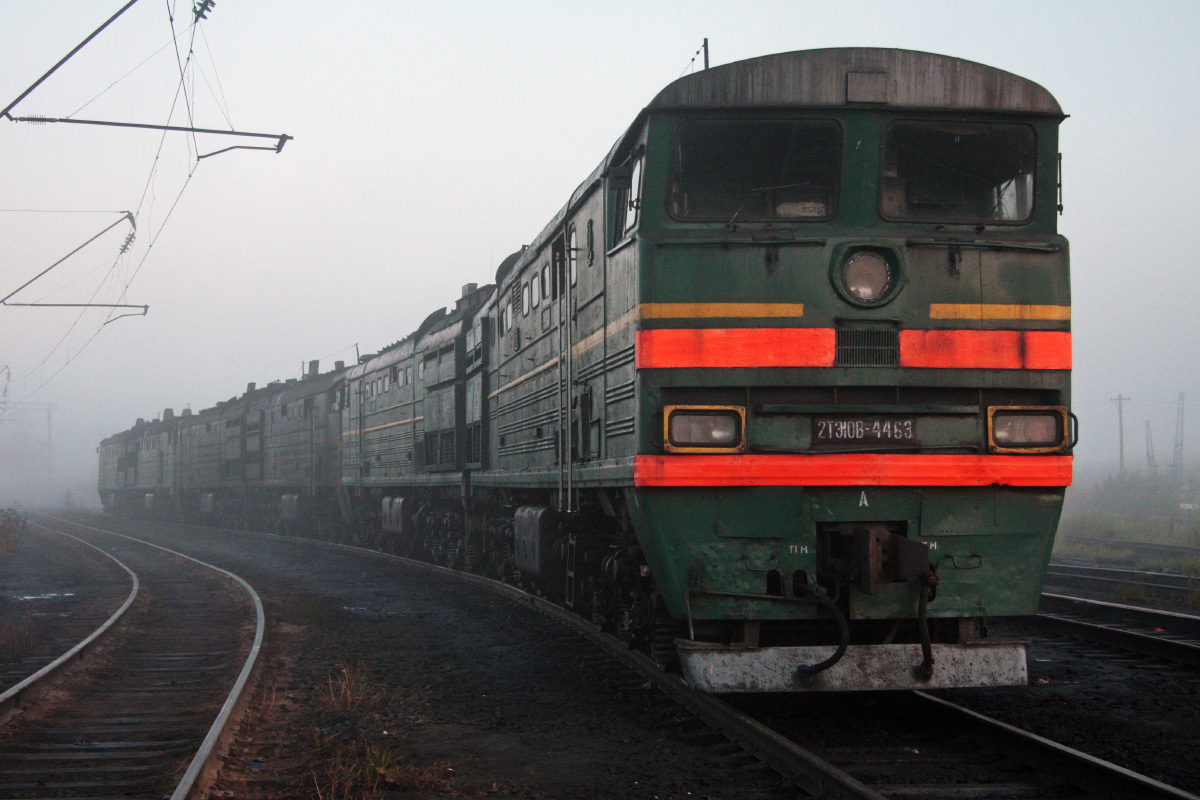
(838, 430)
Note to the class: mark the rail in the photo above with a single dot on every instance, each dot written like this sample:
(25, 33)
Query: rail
(188, 784)
(1162, 634)
(10, 697)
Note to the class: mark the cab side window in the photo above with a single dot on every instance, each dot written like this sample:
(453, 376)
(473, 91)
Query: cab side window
(626, 183)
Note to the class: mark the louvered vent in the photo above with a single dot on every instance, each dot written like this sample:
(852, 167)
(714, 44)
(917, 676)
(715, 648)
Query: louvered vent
(868, 348)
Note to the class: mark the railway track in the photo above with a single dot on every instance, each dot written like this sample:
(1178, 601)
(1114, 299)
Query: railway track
(1162, 634)
(147, 720)
(1164, 584)
(68, 625)
(1139, 548)
(965, 754)
(898, 745)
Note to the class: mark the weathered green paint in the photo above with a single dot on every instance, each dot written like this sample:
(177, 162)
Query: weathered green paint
(990, 562)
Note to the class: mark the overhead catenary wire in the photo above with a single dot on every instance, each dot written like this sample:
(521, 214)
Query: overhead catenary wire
(223, 104)
(110, 318)
(65, 59)
(187, 101)
(187, 65)
(106, 89)
(146, 191)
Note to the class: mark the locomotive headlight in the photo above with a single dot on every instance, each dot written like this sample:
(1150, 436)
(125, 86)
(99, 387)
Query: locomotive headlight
(703, 429)
(1023, 429)
(866, 276)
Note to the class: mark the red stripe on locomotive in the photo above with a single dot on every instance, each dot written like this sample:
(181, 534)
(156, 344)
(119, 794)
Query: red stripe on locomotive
(856, 469)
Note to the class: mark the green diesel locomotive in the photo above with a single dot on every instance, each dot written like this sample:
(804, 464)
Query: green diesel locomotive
(781, 393)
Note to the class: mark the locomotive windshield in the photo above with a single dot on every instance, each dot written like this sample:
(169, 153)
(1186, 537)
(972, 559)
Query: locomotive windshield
(958, 172)
(755, 170)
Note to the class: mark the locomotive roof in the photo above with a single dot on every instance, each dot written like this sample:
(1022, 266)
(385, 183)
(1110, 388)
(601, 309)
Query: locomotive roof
(861, 77)
(430, 331)
(872, 76)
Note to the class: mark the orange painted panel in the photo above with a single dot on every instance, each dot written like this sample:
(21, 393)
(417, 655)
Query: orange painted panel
(667, 348)
(852, 469)
(968, 349)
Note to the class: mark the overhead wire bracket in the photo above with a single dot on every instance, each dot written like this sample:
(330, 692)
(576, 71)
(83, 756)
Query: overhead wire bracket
(280, 138)
(128, 215)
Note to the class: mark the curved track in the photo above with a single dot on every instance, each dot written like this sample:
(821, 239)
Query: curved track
(12, 696)
(961, 753)
(147, 719)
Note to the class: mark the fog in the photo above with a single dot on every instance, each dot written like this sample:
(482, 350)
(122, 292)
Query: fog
(432, 139)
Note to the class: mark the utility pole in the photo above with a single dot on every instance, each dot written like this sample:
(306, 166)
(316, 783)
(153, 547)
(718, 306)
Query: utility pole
(705, 52)
(1121, 400)
(1151, 466)
(1177, 458)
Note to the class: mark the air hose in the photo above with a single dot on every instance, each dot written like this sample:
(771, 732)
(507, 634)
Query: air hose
(816, 595)
(929, 582)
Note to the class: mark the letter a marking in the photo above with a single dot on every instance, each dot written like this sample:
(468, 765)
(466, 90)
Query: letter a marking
(862, 501)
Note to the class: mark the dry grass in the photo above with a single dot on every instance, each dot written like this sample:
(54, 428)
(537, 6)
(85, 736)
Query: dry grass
(359, 770)
(1091, 552)
(348, 689)
(270, 701)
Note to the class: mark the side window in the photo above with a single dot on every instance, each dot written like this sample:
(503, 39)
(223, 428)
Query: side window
(535, 289)
(626, 181)
(635, 193)
(408, 375)
(546, 281)
(421, 370)
(526, 300)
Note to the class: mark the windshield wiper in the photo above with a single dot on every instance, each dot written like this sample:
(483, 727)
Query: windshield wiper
(751, 193)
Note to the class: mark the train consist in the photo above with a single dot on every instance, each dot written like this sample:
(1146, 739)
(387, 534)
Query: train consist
(781, 394)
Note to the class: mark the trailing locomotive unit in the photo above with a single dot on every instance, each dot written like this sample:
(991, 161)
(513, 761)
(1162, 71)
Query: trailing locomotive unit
(267, 459)
(782, 392)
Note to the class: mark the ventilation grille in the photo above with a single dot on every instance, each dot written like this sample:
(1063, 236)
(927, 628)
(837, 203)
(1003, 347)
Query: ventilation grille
(868, 348)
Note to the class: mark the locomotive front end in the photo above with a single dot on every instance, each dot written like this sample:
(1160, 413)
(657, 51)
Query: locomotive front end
(853, 364)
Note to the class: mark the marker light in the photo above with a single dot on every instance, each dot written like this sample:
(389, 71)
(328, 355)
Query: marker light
(866, 276)
(703, 428)
(1028, 429)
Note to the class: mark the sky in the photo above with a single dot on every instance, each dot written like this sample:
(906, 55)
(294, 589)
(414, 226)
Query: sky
(433, 139)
